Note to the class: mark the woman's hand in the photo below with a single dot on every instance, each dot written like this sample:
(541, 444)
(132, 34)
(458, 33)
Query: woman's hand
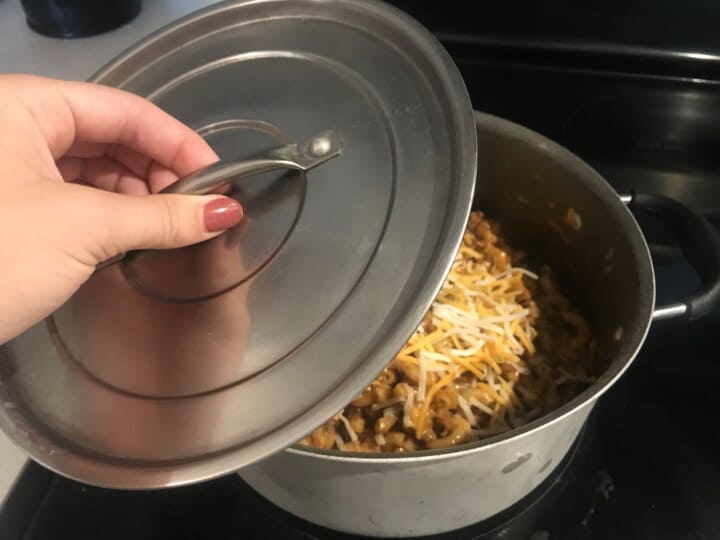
(79, 164)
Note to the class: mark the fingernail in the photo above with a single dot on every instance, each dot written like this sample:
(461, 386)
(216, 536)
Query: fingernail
(221, 214)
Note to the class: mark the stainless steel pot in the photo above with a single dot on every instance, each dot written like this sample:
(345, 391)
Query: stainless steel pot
(528, 184)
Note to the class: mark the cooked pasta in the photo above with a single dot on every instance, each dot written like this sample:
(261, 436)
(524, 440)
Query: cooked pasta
(499, 347)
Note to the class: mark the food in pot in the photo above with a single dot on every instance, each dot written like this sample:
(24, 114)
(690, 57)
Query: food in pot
(499, 347)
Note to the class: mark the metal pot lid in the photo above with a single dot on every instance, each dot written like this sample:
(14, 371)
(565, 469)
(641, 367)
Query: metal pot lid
(180, 366)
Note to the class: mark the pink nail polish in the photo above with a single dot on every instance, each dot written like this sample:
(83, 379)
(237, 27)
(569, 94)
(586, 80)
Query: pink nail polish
(221, 214)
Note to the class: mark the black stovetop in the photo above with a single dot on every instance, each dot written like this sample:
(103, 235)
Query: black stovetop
(647, 466)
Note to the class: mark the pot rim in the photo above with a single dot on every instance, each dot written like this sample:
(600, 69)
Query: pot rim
(588, 396)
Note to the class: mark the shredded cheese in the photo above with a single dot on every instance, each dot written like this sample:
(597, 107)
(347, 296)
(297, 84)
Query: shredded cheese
(339, 442)
(464, 405)
(388, 403)
(408, 408)
(422, 419)
(350, 431)
(422, 380)
(479, 363)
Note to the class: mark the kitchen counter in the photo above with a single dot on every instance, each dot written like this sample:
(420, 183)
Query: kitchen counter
(24, 51)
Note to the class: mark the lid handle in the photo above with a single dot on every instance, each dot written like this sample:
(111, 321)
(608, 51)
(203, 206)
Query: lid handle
(297, 156)
(302, 157)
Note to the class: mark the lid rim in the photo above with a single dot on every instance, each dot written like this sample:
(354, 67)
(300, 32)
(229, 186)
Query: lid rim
(457, 109)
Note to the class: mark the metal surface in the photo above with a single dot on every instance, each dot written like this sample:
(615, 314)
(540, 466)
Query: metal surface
(300, 157)
(527, 183)
(669, 312)
(298, 309)
(409, 498)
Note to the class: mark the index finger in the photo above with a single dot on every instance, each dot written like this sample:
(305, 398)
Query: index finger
(101, 114)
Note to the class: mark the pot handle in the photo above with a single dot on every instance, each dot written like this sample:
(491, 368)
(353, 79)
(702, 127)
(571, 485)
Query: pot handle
(700, 244)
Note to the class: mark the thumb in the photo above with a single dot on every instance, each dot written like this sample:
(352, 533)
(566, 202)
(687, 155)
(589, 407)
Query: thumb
(168, 221)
